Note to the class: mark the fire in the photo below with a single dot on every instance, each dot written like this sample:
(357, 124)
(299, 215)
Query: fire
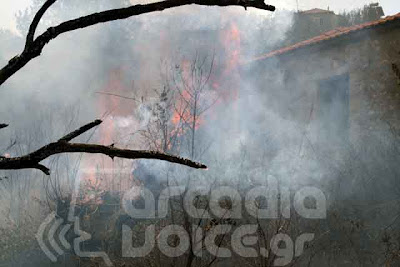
(98, 170)
(231, 43)
(225, 82)
(228, 82)
(185, 106)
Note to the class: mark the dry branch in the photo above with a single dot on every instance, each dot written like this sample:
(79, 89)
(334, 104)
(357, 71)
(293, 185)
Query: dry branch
(35, 22)
(32, 160)
(34, 47)
(80, 131)
(120, 96)
(2, 125)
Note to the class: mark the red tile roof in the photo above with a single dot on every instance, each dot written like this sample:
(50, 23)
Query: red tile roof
(329, 35)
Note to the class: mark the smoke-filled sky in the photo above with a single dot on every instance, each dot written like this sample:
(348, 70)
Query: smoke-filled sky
(10, 7)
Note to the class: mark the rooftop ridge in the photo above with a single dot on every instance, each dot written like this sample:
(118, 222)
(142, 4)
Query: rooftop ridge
(340, 31)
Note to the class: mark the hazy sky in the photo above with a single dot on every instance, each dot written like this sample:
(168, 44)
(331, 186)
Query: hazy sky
(10, 7)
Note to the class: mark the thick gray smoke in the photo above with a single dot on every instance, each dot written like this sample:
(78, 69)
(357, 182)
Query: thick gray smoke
(243, 136)
(56, 92)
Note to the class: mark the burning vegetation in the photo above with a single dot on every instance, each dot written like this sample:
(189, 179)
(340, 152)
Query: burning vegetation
(295, 119)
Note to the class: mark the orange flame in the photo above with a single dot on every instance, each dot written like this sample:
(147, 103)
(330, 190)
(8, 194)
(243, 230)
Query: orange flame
(98, 175)
(184, 109)
(227, 84)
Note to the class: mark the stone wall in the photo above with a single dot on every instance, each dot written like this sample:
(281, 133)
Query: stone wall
(369, 57)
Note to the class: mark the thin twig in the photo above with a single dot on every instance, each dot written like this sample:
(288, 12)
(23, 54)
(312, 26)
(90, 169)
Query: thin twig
(121, 96)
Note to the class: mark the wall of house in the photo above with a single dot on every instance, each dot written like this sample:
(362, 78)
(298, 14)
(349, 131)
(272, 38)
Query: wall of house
(367, 57)
(362, 170)
(308, 25)
(320, 21)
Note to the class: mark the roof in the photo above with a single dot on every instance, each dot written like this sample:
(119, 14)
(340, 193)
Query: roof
(316, 11)
(335, 33)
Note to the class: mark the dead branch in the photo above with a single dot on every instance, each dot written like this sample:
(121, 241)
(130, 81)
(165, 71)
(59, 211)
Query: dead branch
(2, 125)
(35, 22)
(120, 96)
(33, 47)
(32, 160)
(80, 131)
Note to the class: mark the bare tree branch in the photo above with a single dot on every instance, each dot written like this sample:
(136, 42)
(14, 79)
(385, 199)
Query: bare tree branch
(2, 125)
(120, 96)
(80, 131)
(35, 22)
(32, 160)
(34, 48)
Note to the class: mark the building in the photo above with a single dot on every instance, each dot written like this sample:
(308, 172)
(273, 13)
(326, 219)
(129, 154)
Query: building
(310, 23)
(315, 21)
(344, 83)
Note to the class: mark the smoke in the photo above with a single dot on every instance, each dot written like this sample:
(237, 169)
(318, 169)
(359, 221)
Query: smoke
(251, 131)
(57, 91)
